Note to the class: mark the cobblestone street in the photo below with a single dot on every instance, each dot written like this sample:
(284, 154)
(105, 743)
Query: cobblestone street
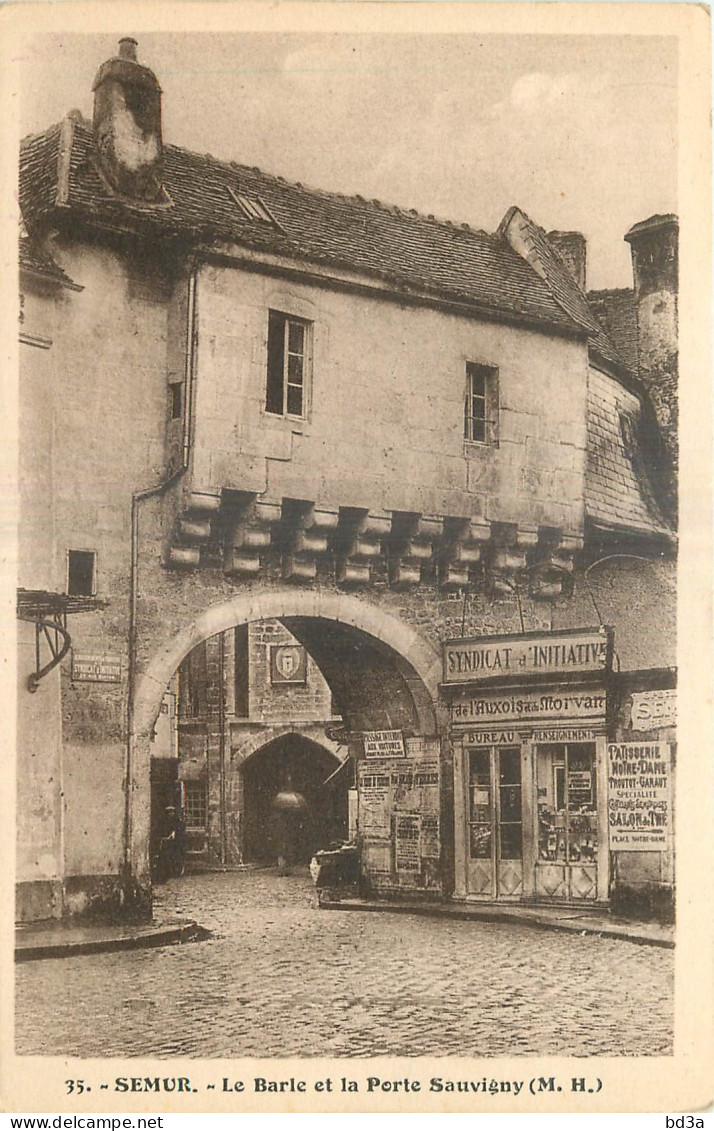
(281, 978)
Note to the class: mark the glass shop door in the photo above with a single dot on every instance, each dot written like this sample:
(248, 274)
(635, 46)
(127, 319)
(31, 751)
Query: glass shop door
(566, 861)
(494, 866)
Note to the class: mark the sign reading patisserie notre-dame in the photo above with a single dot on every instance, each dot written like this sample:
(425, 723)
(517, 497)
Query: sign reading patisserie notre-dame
(482, 658)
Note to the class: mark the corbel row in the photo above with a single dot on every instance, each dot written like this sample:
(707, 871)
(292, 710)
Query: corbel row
(417, 549)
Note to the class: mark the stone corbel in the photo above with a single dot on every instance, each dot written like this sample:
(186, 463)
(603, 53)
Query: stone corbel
(415, 547)
(463, 552)
(509, 559)
(251, 538)
(554, 566)
(364, 547)
(309, 538)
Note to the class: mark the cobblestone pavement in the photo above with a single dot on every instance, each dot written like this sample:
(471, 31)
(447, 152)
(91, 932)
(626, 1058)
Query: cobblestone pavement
(282, 978)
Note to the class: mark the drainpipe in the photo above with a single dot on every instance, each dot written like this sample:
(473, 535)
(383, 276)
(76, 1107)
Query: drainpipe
(222, 739)
(136, 499)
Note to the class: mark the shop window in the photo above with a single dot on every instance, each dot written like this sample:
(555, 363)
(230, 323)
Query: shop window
(80, 573)
(288, 363)
(567, 803)
(480, 804)
(495, 803)
(481, 405)
(194, 804)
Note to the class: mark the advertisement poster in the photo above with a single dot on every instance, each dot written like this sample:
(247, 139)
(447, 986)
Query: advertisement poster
(640, 801)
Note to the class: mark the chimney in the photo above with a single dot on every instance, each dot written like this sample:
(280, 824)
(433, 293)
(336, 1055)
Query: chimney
(572, 249)
(127, 125)
(654, 244)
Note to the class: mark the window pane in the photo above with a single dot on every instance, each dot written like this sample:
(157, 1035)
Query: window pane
(295, 400)
(294, 369)
(511, 842)
(510, 766)
(510, 803)
(582, 806)
(480, 842)
(80, 573)
(296, 337)
(478, 431)
(478, 382)
(276, 361)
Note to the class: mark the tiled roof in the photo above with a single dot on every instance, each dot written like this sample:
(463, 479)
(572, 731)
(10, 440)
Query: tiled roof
(400, 246)
(616, 310)
(618, 494)
(546, 261)
(34, 259)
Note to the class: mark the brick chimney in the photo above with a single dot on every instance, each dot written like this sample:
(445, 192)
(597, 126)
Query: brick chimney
(654, 244)
(572, 249)
(127, 125)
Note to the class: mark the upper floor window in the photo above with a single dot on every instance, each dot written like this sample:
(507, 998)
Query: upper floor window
(80, 573)
(628, 434)
(481, 405)
(288, 363)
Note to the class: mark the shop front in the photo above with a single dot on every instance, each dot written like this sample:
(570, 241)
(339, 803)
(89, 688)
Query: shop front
(529, 734)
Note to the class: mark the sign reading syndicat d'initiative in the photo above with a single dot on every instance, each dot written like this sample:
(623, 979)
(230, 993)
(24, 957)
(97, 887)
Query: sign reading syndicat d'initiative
(490, 657)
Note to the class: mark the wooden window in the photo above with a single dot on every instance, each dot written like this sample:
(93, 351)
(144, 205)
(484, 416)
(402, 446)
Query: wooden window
(194, 804)
(288, 340)
(80, 573)
(481, 405)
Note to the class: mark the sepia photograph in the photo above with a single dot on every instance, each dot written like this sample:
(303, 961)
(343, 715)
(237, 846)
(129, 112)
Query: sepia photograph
(347, 554)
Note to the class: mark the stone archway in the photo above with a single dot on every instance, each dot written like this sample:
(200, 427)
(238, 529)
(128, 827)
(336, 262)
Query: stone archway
(418, 660)
(384, 673)
(292, 760)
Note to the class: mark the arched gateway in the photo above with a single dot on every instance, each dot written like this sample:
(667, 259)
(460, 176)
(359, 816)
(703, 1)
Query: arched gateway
(383, 676)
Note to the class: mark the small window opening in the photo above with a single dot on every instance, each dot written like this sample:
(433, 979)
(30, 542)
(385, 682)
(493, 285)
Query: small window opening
(253, 207)
(628, 434)
(176, 400)
(287, 365)
(80, 573)
(481, 404)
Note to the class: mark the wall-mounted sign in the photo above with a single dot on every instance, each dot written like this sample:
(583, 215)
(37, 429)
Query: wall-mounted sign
(423, 747)
(653, 709)
(495, 657)
(383, 744)
(640, 803)
(288, 663)
(496, 708)
(96, 668)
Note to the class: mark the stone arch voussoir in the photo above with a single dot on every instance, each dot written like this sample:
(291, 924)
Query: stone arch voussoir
(411, 650)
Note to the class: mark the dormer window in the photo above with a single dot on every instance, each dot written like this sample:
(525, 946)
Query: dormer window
(628, 434)
(252, 207)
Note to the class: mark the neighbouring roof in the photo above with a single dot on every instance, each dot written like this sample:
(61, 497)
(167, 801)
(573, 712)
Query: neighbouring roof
(35, 260)
(618, 492)
(533, 244)
(617, 312)
(406, 249)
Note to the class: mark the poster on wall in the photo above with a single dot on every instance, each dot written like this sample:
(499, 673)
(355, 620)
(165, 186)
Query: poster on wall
(640, 799)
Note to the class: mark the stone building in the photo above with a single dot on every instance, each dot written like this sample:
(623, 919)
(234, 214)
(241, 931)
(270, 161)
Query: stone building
(416, 445)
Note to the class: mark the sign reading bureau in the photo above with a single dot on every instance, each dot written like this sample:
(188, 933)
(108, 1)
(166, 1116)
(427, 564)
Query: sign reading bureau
(493, 657)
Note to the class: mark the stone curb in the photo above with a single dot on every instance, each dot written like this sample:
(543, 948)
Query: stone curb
(31, 949)
(639, 934)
